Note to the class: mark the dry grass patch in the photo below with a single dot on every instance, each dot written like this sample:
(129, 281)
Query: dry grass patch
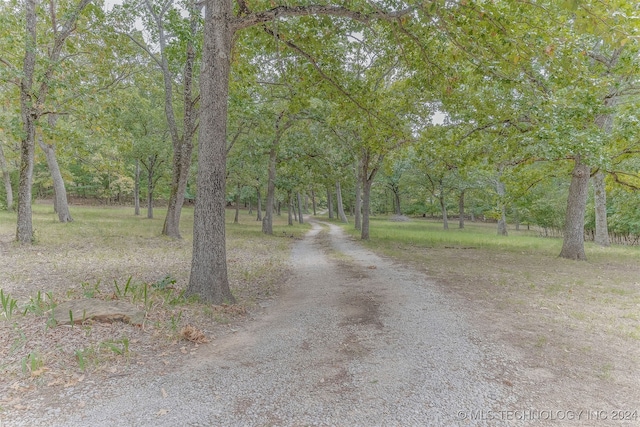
(108, 253)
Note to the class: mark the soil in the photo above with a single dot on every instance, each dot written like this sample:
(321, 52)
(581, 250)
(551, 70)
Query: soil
(356, 339)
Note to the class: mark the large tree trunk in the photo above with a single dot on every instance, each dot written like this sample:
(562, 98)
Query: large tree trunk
(60, 193)
(573, 243)
(136, 189)
(461, 210)
(600, 196)
(341, 214)
(358, 205)
(502, 222)
(208, 278)
(7, 179)
(24, 231)
(300, 217)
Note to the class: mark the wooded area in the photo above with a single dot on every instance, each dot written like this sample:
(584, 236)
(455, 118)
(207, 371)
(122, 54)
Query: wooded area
(501, 111)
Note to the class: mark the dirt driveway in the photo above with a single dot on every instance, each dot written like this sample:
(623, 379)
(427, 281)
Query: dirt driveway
(354, 340)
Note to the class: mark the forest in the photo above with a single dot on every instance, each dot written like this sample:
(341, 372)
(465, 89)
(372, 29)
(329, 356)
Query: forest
(514, 112)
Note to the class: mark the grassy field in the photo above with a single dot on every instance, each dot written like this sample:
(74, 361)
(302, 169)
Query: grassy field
(576, 322)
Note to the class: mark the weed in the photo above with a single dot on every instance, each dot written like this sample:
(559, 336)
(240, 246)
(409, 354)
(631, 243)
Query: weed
(119, 347)
(164, 283)
(32, 362)
(9, 305)
(39, 305)
(90, 291)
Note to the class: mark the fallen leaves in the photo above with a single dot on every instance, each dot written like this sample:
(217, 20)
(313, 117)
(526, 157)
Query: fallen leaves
(193, 334)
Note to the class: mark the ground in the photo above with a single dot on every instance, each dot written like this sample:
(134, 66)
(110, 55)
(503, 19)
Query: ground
(351, 339)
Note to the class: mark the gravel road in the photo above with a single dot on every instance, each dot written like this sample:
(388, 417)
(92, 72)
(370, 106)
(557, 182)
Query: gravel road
(354, 340)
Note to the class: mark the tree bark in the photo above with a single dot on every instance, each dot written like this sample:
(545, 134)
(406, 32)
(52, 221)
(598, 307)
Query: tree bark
(60, 193)
(600, 196)
(461, 210)
(341, 214)
(7, 179)
(136, 189)
(573, 243)
(208, 278)
(29, 113)
(300, 217)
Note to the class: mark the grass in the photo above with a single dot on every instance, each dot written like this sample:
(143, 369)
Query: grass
(520, 290)
(109, 253)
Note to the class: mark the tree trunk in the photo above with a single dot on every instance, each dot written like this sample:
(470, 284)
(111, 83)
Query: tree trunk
(358, 208)
(313, 202)
(182, 145)
(366, 197)
(136, 189)
(502, 222)
(208, 278)
(329, 203)
(60, 193)
(290, 210)
(236, 219)
(267, 222)
(150, 187)
(600, 196)
(367, 181)
(461, 210)
(24, 229)
(300, 217)
(259, 208)
(341, 214)
(7, 179)
(396, 200)
(443, 209)
(573, 243)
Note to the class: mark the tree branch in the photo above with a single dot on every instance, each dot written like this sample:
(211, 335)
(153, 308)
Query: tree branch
(256, 18)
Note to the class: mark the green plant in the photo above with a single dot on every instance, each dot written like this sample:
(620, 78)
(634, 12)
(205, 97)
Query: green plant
(32, 362)
(90, 291)
(164, 283)
(39, 305)
(8, 305)
(119, 347)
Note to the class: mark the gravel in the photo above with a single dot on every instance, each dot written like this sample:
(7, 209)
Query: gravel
(354, 340)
